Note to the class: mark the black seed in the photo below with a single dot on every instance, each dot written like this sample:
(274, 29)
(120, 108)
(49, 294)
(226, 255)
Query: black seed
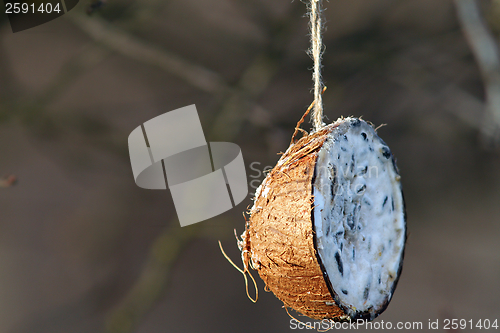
(352, 163)
(343, 148)
(363, 134)
(385, 201)
(353, 253)
(367, 202)
(338, 156)
(371, 148)
(362, 188)
(364, 171)
(379, 279)
(333, 173)
(356, 123)
(392, 200)
(344, 291)
(327, 229)
(339, 233)
(366, 292)
(345, 138)
(386, 152)
(339, 264)
(341, 246)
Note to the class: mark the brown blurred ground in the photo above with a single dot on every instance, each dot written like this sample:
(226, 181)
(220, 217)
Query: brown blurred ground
(75, 232)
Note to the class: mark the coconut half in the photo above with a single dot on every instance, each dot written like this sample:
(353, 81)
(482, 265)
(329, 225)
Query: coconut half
(327, 230)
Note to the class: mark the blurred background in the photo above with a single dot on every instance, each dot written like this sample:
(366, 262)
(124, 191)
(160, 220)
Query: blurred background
(83, 249)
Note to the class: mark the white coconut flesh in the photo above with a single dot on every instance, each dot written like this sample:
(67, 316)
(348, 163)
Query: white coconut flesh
(359, 218)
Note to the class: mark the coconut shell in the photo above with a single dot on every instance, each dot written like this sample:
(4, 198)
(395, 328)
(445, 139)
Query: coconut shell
(279, 237)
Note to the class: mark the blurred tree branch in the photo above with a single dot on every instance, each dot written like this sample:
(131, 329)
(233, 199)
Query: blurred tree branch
(126, 44)
(456, 101)
(241, 97)
(256, 77)
(485, 50)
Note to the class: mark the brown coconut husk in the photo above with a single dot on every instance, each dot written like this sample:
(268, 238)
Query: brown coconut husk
(279, 237)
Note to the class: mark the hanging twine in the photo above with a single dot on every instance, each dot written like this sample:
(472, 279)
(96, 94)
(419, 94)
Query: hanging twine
(316, 52)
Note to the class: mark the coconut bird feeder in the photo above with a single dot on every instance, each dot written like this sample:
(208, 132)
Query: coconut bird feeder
(327, 229)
